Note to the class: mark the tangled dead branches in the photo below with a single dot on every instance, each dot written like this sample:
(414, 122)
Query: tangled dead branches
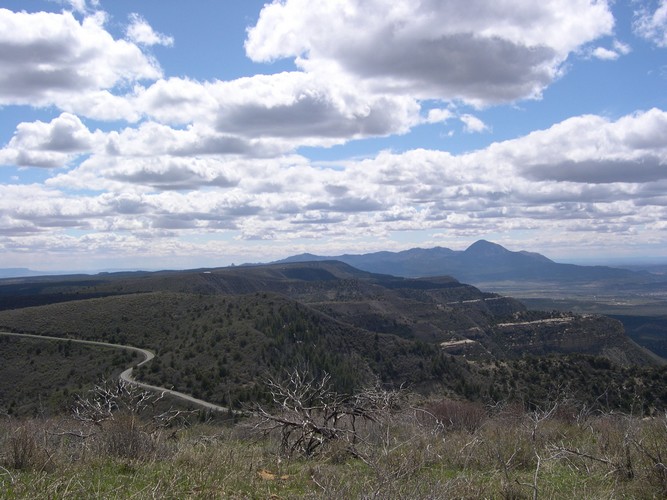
(308, 413)
(109, 398)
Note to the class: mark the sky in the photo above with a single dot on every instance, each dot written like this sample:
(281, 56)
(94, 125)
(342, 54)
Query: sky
(165, 134)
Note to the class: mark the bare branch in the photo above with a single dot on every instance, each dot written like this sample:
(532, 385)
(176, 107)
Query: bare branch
(109, 397)
(309, 413)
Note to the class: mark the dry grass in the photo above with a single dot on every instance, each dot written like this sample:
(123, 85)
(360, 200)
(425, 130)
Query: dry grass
(508, 453)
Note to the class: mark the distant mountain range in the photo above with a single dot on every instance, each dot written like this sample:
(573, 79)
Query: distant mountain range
(481, 262)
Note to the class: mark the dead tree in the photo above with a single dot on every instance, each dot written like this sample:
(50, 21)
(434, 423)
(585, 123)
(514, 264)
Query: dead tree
(110, 398)
(124, 419)
(308, 413)
(107, 398)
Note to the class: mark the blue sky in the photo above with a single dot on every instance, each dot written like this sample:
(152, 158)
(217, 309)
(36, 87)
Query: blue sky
(162, 134)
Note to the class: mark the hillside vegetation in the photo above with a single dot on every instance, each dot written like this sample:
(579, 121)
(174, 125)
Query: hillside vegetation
(219, 348)
(224, 332)
(433, 389)
(41, 377)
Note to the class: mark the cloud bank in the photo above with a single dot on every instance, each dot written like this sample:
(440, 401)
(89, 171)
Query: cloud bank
(606, 175)
(182, 164)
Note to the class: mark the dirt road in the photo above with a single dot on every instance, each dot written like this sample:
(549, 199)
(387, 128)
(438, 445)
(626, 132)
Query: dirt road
(127, 374)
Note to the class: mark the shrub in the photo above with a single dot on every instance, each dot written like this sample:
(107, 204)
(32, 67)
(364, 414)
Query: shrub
(454, 415)
(21, 447)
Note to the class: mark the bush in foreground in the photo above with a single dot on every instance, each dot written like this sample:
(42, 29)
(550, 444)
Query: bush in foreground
(437, 449)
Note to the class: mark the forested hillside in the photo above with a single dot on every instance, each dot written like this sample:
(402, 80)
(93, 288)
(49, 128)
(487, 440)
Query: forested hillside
(219, 334)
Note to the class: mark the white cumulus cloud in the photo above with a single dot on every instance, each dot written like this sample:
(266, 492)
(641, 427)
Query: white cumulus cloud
(48, 58)
(140, 32)
(472, 124)
(480, 52)
(53, 144)
(651, 24)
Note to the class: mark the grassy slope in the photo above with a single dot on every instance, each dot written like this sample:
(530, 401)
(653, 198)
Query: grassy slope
(508, 454)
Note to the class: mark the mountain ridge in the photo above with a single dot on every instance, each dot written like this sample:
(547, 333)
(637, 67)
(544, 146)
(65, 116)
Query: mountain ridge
(483, 261)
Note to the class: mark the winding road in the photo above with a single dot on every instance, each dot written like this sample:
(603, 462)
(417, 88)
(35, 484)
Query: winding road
(127, 374)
